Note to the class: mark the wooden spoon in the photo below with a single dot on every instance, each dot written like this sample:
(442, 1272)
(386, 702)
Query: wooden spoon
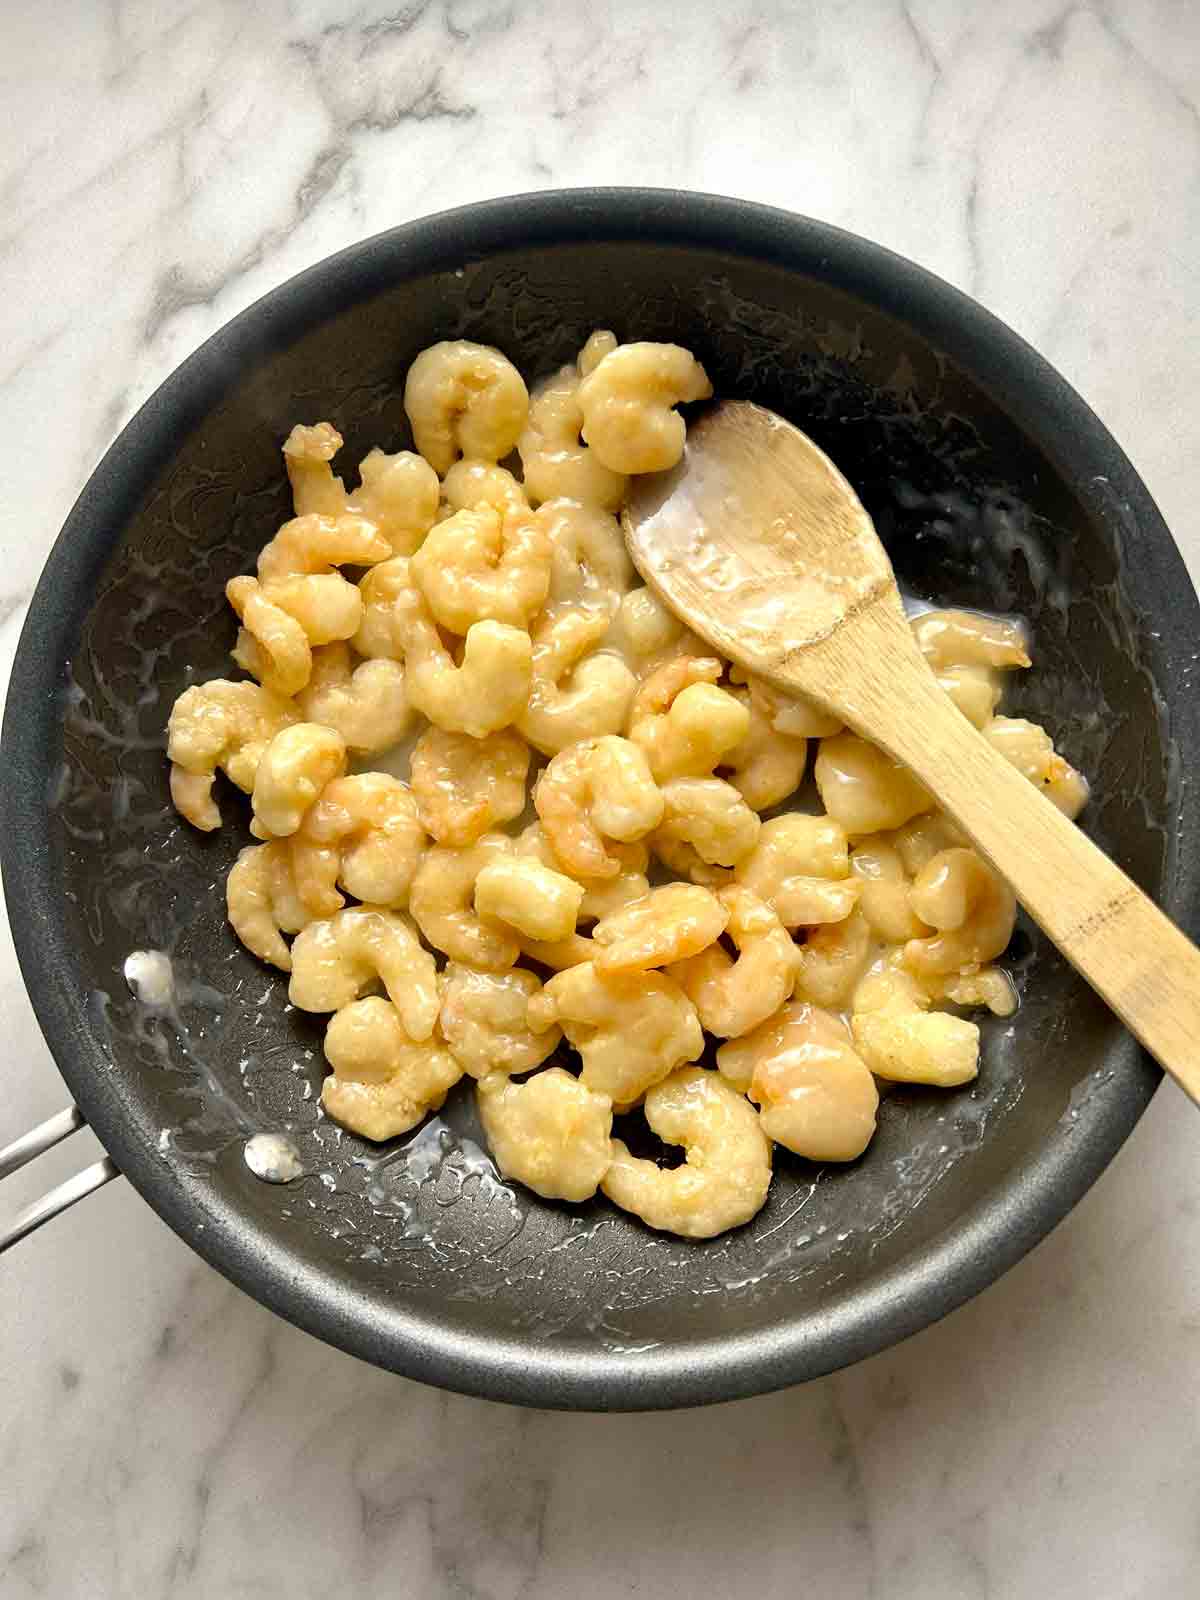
(760, 545)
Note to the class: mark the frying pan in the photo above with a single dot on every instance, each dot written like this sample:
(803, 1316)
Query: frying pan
(992, 484)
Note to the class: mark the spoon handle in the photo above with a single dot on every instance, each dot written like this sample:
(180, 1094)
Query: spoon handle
(1135, 958)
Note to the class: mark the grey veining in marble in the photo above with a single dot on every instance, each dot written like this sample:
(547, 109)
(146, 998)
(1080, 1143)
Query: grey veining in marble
(165, 164)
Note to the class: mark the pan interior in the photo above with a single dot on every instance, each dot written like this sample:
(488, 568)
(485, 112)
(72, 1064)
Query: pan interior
(973, 512)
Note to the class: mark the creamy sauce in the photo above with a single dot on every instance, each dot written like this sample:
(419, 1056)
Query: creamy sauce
(151, 977)
(273, 1157)
(395, 760)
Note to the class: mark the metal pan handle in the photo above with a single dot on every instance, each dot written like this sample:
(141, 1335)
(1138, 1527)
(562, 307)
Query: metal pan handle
(33, 1144)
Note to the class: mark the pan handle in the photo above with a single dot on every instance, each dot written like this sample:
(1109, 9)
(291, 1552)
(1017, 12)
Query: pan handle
(34, 1143)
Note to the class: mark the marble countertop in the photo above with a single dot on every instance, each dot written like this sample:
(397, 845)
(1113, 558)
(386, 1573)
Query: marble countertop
(166, 164)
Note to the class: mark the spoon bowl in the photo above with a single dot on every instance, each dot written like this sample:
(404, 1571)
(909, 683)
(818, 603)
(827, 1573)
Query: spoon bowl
(757, 534)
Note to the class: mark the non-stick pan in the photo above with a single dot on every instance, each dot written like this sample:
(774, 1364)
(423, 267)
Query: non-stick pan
(993, 486)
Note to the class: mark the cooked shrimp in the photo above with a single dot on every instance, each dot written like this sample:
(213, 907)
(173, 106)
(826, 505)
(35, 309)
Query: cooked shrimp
(336, 960)
(366, 703)
(483, 694)
(631, 1029)
(484, 565)
(220, 724)
(964, 638)
(442, 900)
(576, 692)
(734, 997)
(645, 634)
(481, 483)
(364, 833)
(589, 564)
(832, 959)
(295, 767)
(628, 402)
(263, 902)
(315, 546)
(817, 1096)
(970, 905)
(1031, 750)
(537, 902)
(666, 925)
(554, 459)
(600, 895)
(596, 789)
(725, 1179)
(271, 644)
(464, 786)
(485, 1021)
(705, 821)
(551, 1133)
(383, 1081)
(398, 493)
(766, 766)
(686, 725)
(865, 790)
(801, 868)
(464, 399)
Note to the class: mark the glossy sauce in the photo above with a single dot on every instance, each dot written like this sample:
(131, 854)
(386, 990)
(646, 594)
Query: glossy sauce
(273, 1157)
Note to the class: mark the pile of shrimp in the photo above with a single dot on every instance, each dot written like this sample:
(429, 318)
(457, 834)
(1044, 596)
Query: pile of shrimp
(508, 812)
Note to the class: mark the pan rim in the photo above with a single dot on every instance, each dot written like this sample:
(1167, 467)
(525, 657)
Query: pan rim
(925, 1285)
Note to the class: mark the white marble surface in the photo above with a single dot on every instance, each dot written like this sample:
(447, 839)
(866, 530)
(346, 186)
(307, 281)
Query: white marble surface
(166, 163)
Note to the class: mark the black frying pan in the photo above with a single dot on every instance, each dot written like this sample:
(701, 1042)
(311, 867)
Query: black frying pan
(992, 484)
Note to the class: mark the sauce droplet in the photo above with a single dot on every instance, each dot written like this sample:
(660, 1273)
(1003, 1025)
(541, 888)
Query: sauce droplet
(151, 977)
(273, 1158)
